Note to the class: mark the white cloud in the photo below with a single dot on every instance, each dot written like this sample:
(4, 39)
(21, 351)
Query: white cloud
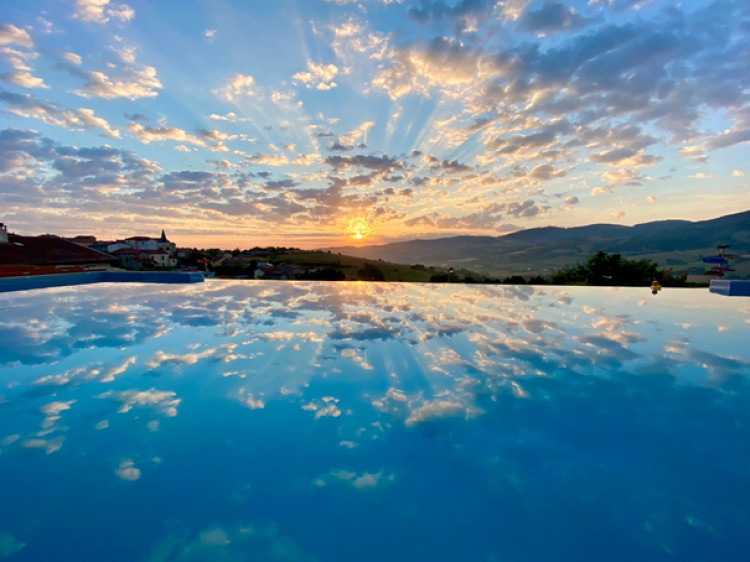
(110, 374)
(738, 174)
(150, 134)
(327, 408)
(319, 76)
(9, 439)
(12, 35)
(361, 481)
(239, 85)
(253, 403)
(54, 408)
(306, 159)
(438, 409)
(210, 34)
(49, 445)
(269, 159)
(25, 105)
(128, 471)
(162, 401)
(23, 79)
(101, 11)
(72, 58)
(134, 81)
(356, 136)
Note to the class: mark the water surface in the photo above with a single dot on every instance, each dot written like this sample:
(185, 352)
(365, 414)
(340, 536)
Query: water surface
(353, 421)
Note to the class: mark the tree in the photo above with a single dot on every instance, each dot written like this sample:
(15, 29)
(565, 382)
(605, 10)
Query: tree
(602, 269)
(370, 272)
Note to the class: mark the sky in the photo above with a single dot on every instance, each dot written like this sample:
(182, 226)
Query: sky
(317, 123)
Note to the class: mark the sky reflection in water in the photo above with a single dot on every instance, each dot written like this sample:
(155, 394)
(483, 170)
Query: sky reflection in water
(352, 421)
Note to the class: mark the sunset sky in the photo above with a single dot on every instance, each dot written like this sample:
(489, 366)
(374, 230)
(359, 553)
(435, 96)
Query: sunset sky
(317, 123)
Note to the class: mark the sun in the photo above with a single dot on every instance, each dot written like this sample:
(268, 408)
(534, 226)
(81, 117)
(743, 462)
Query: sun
(359, 228)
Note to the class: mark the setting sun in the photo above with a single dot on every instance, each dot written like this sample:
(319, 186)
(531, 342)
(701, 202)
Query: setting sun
(359, 228)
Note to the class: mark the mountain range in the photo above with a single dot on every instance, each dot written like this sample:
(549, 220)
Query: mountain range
(675, 243)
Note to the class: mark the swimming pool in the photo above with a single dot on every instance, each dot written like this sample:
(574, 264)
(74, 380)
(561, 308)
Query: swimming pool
(245, 420)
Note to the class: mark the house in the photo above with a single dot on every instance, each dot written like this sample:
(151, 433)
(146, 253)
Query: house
(132, 258)
(143, 252)
(147, 243)
(37, 255)
(109, 247)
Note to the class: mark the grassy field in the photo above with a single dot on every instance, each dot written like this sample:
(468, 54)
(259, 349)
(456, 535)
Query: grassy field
(349, 265)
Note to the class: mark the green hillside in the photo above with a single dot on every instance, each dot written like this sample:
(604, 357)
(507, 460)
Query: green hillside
(674, 243)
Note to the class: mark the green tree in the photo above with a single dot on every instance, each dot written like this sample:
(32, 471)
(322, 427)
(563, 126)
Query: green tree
(602, 269)
(370, 272)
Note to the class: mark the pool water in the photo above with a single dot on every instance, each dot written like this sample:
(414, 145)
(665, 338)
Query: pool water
(243, 420)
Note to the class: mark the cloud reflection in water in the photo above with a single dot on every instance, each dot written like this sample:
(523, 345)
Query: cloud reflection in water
(438, 421)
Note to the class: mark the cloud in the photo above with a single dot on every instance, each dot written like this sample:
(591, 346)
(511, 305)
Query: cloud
(72, 58)
(25, 105)
(23, 79)
(12, 35)
(728, 138)
(326, 407)
(239, 86)
(432, 410)
(383, 163)
(357, 137)
(545, 172)
(48, 445)
(161, 401)
(253, 403)
(53, 410)
(738, 174)
(134, 81)
(550, 17)
(9, 545)
(361, 481)
(147, 134)
(239, 542)
(128, 471)
(318, 76)
(101, 11)
(442, 64)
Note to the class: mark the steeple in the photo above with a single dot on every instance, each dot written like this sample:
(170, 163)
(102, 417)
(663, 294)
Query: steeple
(163, 236)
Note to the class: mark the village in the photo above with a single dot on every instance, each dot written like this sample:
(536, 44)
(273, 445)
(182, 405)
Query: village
(48, 253)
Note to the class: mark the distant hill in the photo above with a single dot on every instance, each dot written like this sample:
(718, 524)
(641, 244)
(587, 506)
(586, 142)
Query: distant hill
(676, 243)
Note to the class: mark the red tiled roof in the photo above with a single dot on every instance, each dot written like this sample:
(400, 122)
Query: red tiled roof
(47, 250)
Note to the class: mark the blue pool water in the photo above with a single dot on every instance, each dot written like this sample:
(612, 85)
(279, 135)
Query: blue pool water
(244, 421)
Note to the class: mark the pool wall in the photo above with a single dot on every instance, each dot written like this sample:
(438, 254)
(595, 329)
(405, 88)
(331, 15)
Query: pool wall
(42, 281)
(730, 288)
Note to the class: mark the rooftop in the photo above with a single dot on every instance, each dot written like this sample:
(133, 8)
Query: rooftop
(47, 250)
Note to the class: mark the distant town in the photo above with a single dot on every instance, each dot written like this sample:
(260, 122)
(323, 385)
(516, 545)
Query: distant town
(39, 255)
